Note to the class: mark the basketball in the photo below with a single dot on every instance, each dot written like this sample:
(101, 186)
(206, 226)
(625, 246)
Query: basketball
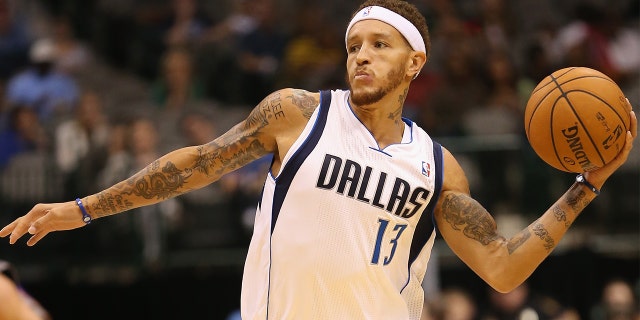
(576, 119)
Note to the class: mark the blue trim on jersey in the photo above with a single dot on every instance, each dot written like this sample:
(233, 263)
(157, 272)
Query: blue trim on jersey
(439, 159)
(426, 224)
(283, 181)
(410, 124)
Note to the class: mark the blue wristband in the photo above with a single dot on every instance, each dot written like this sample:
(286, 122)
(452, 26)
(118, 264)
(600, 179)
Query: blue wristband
(85, 216)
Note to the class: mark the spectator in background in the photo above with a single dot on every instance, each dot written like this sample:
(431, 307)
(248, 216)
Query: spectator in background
(218, 51)
(118, 157)
(178, 85)
(14, 42)
(187, 25)
(496, 21)
(143, 148)
(456, 304)
(311, 58)
(72, 56)
(210, 221)
(537, 64)
(260, 54)
(498, 114)
(597, 38)
(177, 90)
(24, 133)
(456, 92)
(521, 303)
(618, 302)
(114, 30)
(51, 94)
(238, 23)
(81, 143)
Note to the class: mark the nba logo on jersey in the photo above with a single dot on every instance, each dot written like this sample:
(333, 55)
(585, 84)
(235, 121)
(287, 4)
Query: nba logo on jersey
(366, 11)
(426, 168)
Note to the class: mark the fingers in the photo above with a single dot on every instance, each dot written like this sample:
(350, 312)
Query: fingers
(36, 237)
(8, 229)
(634, 124)
(631, 135)
(19, 227)
(626, 150)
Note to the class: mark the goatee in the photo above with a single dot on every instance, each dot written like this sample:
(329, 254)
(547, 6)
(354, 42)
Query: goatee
(394, 79)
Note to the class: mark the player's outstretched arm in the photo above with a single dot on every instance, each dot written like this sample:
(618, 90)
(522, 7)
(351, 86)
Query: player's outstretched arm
(471, 232)
(179, 171)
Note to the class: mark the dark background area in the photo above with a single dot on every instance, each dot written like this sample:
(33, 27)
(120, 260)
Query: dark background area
(184, 259)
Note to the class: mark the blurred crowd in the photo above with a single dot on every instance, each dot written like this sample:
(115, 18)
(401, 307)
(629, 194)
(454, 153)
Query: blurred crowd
(618, 300)
(94, 90)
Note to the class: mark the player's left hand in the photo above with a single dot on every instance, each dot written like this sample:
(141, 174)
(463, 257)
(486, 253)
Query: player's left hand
(42, 219)
(599, 176)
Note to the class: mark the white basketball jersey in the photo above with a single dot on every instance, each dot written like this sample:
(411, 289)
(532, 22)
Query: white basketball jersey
(346, 229)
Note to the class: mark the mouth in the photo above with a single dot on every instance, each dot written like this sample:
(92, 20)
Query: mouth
(361, 75)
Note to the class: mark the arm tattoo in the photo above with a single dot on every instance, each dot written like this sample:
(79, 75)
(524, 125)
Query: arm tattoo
(206, 161)
(543, 234)
(517, 240)
(151, 182)
(241, 145)
(109, 203)
(560, 215)
(161, 181)
(228, 156)
(464, 213)
(162, 184)
(576, 198)
(305, 102)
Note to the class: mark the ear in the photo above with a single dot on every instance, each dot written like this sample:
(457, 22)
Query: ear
(415, 63)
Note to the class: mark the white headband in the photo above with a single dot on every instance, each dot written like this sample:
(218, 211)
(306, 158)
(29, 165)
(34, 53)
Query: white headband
(406, 28)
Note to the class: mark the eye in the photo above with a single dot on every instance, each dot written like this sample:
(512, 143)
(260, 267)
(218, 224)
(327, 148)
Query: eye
(353, 48)
(380, 44)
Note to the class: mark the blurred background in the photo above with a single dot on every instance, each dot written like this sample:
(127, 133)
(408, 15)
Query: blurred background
(94, 90)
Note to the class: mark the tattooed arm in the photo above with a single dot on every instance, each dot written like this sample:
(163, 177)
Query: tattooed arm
(271, 128)
(471, 232)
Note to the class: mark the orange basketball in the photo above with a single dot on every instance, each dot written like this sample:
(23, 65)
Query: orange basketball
(576, 119)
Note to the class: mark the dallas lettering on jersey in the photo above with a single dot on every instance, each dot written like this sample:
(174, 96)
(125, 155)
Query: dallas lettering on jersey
(349, 176)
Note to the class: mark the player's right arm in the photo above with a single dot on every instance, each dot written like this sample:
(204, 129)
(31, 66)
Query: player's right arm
(269, 129)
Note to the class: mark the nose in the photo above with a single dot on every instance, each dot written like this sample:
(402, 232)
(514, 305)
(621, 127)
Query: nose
(363, 56)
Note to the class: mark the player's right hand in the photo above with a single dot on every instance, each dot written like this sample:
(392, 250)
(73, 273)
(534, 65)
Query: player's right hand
(42, 219)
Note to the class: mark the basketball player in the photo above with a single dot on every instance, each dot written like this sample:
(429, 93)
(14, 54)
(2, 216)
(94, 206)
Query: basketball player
(16, 302)
(350, 205)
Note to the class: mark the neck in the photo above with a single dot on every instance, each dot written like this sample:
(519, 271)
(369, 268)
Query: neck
(384, 117)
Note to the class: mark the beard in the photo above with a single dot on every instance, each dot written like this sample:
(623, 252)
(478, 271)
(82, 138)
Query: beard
(367, 97)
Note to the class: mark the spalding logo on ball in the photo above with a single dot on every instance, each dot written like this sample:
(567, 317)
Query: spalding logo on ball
(576, 119)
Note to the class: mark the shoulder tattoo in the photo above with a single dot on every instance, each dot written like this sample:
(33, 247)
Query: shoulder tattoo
(269, 109)
(305, 101)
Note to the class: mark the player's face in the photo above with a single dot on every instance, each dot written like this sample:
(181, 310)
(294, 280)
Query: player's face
(376, 61)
